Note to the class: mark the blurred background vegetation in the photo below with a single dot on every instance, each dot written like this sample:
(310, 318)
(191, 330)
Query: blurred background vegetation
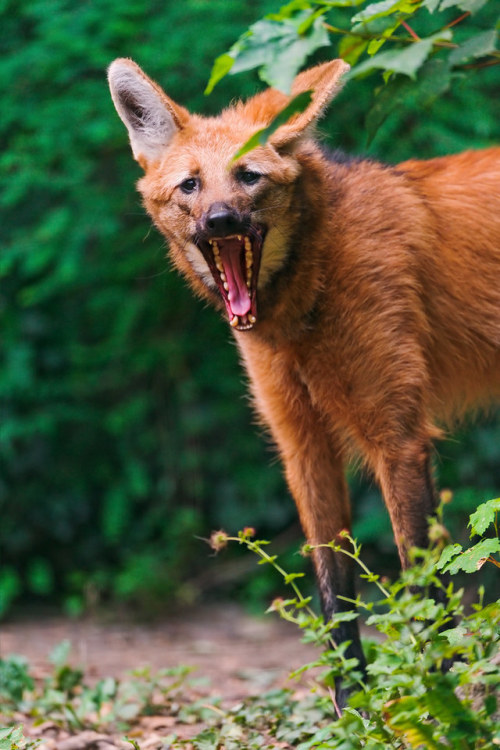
(125, 433)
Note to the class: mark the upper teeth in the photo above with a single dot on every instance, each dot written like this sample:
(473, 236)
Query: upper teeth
(248, 259)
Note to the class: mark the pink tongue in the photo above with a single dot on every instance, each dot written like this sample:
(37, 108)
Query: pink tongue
(240, 298)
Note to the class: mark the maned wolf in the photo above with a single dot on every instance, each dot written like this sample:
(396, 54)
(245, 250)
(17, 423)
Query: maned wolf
(364, 299)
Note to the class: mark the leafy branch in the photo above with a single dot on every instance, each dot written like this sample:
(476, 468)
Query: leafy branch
(421, 61)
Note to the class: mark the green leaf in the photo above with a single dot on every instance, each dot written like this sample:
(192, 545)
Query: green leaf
(478, 45)
(208, 739)
(298, 104)
(267, 560)
(406, 61)
(341, 3)
(382, 28)
(431, 5)
(351, 48)
(221, 67)
(376, 44)
(468, 6)
(11, 737)
(455, 636)
(434, 79)
(484, 516)
(309, 22)
(446, 706)
(277, 45)
(384, 8)
(347, 616)
(289, 577)
(474, 558)
(14, 679)
(449, 553)
(290, 52)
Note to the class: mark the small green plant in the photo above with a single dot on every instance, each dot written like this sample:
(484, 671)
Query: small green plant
(454, 558)
(408, 700)
(69, 702)
(12, 738)
(14, 680)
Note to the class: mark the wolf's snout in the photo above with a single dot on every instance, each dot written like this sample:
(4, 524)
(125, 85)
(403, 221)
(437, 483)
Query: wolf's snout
(221, 221)
(232, 249)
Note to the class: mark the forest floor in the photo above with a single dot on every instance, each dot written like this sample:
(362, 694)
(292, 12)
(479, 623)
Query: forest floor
(234, 655)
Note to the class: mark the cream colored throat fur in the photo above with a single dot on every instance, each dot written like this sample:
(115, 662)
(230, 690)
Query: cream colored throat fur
(199, 264)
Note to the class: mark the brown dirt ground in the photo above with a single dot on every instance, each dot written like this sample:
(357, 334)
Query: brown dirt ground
(239, 655)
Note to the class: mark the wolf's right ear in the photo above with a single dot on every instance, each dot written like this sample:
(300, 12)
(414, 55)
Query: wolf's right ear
(151, 118)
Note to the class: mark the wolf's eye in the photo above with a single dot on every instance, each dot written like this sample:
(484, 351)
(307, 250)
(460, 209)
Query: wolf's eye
(247, 177)
(189, 185)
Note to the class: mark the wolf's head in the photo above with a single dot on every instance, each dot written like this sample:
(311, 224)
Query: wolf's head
(228, 221)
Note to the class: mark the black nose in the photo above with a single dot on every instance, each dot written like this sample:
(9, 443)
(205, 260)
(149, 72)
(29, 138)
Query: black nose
(221, 220)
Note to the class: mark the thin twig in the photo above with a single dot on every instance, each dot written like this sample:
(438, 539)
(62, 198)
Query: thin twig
(457, 20)
(410, 31)
(334, 701)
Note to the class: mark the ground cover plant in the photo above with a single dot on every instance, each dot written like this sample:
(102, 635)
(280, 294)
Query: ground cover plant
(405, 702)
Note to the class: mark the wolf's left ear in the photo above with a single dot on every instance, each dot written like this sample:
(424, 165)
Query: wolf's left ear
(325, 81)
(150, 116)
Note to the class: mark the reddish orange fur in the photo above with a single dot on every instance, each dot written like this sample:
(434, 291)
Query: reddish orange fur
(379, 305)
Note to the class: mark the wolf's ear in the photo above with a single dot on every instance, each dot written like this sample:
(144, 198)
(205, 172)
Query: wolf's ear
(151, 118)
(325, 81)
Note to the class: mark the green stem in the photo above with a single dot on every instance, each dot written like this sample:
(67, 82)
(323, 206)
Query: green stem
(257, 549)
(338, 548)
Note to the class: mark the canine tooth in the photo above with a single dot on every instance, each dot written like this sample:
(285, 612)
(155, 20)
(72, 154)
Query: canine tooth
(218, 264)
(252, 319)
(239, 237)
(234, 321)
(223, 276)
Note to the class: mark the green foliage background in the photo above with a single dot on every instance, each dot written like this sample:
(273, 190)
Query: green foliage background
(124, 428)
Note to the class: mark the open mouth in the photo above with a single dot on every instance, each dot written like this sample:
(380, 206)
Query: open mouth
(234, 262)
